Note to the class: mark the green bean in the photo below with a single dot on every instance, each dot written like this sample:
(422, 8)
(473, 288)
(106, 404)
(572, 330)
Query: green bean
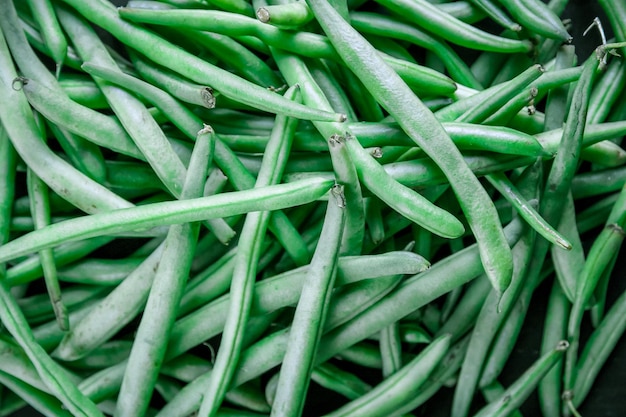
(400, 198)
(464, 315)
(606, 91)
(36, 308)
(334, 378)
(304, 43)
(284, 289)
(389, 27)
(269, 351)
(433, 19)
(44, 15)
(538, 18)
(470, 98)
(178, 87)
(55, 378)
(83, 90)
(555, 328)
(500, 96)
(159, 313)
(517, 393)
(568, 265)
(615, 11)
(238, 57)
(40, 209)
(143, 130)
(448, 366)
(101, 129)
(398, 388)
(462, 10)
(597, 349)
(296, 72)
(604, 248)
(391, 349)
(287, 15)
(496, 14)
(394, 95)
(524, 209)
(164, 53)
(332, 90)
(242, 285)
(310, 314)
(16, 363)
(110, 314)
(8, 165)
(504, 343)
(43, 402)
(362, 101)
(169, 212)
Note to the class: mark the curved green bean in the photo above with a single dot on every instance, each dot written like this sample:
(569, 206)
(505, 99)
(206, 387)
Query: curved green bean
(442, 24)
(194, 68)
(419, 123)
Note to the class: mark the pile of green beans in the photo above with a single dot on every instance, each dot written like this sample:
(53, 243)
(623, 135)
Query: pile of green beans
(307, 208)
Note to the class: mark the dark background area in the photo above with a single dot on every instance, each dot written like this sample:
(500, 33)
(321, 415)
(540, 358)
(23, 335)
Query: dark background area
(607, 398)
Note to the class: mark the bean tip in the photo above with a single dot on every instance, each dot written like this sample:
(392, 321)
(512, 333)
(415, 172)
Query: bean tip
(18, 83)
(263, 15)
(341, 117)
(562, 346)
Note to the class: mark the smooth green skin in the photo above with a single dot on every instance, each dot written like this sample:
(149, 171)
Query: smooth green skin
(166, 213)
(517, 392)
(392, 28)
(342, 382)
(309, 318)
(493, 10)
(606, 92)
(96, 127)
(84, 155)
(192, 67)
(421, 125)
(598, 348)
(111, 313)
(43, 402)
(442, 24)
(296, 72)
(133, 115)
(40, 211)
(526, 210)
(466, 311)
(189, 124)
(303, 43)
(469, 98)
(402, 199)
(554, 329)
(395, 390)
(390, 346)
(167, 287)
(53, 375)
(283, 290)
(245, 268)
(61, 177)
(492, 315)
(538, 18)
(499, 97)
(237, 57)
(84, 91)
(569, 264)
(183, 89)
(43, 13)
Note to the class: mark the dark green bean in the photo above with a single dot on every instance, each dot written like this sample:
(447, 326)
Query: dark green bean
(442, 24)
(538, 18)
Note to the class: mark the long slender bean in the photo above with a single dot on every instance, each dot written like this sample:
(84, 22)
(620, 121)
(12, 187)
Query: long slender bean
(166, 54)
(419, 122)
(310, 315)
